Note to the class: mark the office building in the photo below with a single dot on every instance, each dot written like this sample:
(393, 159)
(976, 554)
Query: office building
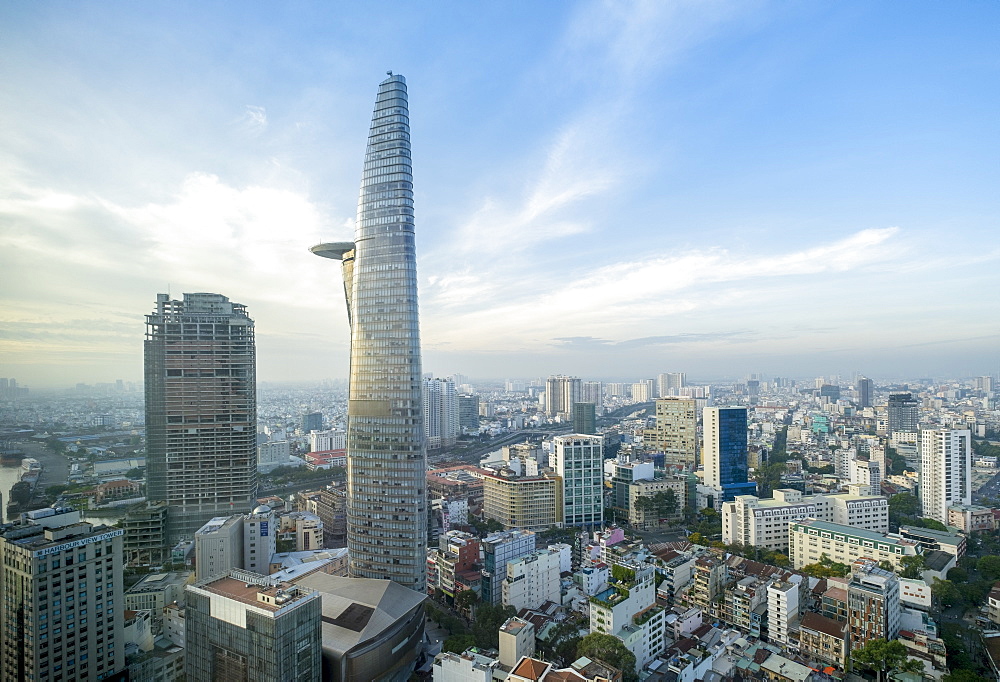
(866, 391)
(809, 540)
(675, 433)
(218, 546)
(585, 418)
(726, 467)
(468, 412)
(246, 626)
(270, 456)
(873, 608)
(201, 409)
(945, 471)
(62, 599)
(578, 459)
(386, 457)
(669, 383)
(902, 414)
(440, 403)
(561, 392)
(312, 422)
(531, 502)
(754, 522)
(498, 550)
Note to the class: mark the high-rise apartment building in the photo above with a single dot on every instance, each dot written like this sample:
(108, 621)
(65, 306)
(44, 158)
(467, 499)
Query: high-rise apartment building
(386, 457)
(440, 413)
(726, 466)
(61, 600)
(669, 383)
(593, 392)
(246, 626)
(945, 471)
(902, 413)
(578, 459)
(561, 392)
(201, 409)
(866, 390)
(676, 432)
(642, 391)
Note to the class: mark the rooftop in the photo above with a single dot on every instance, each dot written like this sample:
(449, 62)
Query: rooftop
(255, 590)
(854, 532)
(818, 623)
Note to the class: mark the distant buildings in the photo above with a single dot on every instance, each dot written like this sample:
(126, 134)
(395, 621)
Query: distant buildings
(902, 414)
(441, 417)
(312, 422)
(561, 392)
(201, 409)
(676, 432)
(468, 411)
(866, 391)
(669, 383)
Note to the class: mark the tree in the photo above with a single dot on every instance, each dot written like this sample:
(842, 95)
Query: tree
(989, 567)
(610, 650)
(465, 599)
(934, 524)
(958, 575)
(458, 643)
(768, 477)
(945, 592)
(486, 627)
(906, 504)
(20, 492)
(962, 675)
(697, 539)
(911, 566)
(880, 655)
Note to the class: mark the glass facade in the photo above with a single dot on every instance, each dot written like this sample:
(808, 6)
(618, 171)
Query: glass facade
(732, 454)
(386, 455)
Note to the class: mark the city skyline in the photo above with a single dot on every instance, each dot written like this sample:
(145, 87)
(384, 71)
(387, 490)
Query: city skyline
(714, 188)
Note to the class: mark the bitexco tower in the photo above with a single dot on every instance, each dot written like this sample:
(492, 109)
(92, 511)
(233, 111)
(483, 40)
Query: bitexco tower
(386, 456)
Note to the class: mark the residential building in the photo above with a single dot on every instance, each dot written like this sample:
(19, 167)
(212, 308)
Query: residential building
(578, 459)
(823, 638)
(457, 555)
(676, 432)
(324, 441)
(945, 471)
(498, 549)
(625, 472)
(532, 580)
(561, 393)
(246, 626)
(593, 392)
(642, 391)
(783, 610)
(648, 515)
(201, 409)
(62, 596)
(526, 502)
(628, 610)
(469, 666)
(305, 528)
(725, 460)
(809, 540)
(970, 518)
(873, 609)
(440, 413)
(387, 459)
(669, 383)
(517, 640)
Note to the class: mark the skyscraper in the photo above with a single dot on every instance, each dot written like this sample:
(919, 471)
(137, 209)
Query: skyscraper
(669, 383)
(440, 403)
(726, 465)
(902, 413)
(584, 418)
(560, 394)
(945, 471)
(201, 410)
(579, 459)
(386, 458)
(866, 390)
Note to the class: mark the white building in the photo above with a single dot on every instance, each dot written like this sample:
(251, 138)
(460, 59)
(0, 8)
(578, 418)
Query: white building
(272, 455)
(517, 640)
(440, 413)
(470, 666)
(945, 471)
(809, 540)
(218, 546)
(532, 580)
(578, 460)
(324, 441)
(782, 610)
(307, 527)
(749, 520)
(627, 610)
(260, 539)
(867, 473)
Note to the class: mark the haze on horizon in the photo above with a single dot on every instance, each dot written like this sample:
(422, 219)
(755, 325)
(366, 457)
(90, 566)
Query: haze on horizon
(602, 189)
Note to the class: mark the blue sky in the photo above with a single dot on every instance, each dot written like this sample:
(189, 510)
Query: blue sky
(607, 189)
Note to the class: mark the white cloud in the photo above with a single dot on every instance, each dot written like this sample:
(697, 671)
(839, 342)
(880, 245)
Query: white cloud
(254, 119)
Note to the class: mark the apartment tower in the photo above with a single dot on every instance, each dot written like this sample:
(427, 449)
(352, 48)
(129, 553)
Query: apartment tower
(201, 410)
(945, 471)
(561, 392)
(386, 457)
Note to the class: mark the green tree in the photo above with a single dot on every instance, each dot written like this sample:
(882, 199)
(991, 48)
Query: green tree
(768, 477)
(989, 567)
(486, 626)
(458, 643)
(880, 655)
(906, 504)
(962, 675)
(958, 575)
(611, 650)
(697, 539)
(934, 524)
(911, 566)
(465, 599)
(945, 592)
(20, 492)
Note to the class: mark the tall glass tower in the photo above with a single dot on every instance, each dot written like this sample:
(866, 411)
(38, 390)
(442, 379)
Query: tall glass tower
(201, 410)
(386, 456)
(726, 465)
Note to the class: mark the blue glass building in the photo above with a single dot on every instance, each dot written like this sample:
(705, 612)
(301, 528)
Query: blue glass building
(726, 466)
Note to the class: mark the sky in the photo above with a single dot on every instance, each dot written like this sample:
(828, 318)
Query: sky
(605, 189)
